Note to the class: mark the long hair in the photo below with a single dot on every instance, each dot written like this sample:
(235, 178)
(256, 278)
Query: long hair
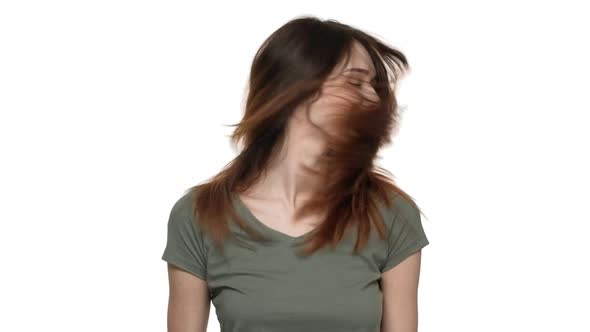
(291, 69)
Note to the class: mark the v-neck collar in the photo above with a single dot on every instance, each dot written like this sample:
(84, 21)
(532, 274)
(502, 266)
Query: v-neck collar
(245, 211)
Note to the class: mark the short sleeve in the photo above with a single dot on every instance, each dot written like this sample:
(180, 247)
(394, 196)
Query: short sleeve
(184, 246)
(406, 233)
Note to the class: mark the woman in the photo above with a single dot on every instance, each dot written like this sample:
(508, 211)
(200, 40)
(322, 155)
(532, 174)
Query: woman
(301, 231)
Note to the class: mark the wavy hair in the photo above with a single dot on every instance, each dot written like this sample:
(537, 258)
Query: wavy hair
(291, 69)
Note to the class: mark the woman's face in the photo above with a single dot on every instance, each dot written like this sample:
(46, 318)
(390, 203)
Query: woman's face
(349, 82)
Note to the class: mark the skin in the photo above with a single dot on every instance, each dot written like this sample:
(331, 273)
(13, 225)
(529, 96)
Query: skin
(275, 198)
(188, 302)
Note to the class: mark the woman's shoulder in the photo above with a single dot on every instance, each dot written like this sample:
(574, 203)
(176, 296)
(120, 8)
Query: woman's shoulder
(401, 207)
(182, 210)
(186, 200)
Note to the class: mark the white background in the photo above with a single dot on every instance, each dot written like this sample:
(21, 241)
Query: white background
(111, 109)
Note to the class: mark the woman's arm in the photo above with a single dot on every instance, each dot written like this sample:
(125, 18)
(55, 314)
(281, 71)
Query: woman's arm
(188, 302)
(400, 296)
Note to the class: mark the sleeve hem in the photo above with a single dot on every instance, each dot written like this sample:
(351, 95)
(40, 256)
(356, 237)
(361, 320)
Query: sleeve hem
(199, 273)
(402, 255)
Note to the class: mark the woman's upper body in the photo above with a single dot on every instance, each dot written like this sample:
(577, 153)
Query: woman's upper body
(267, 287)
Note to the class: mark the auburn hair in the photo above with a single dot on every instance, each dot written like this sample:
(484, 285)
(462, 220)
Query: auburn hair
(288, 70)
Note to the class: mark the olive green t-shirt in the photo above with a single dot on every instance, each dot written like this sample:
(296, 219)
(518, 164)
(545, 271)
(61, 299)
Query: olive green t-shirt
(267, 287)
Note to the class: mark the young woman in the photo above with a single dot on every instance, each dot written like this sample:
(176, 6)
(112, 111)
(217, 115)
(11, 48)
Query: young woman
(301, 231)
